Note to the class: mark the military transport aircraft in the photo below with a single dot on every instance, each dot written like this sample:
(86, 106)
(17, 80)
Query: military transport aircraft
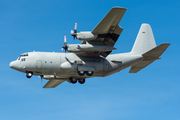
(91, 58)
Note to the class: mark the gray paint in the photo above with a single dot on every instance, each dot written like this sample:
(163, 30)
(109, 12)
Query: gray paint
(93, 56)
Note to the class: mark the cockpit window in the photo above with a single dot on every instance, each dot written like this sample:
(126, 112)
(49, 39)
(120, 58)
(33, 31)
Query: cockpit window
(23, 55)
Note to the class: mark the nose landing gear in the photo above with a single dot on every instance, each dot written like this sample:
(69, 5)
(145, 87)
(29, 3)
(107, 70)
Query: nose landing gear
(29, 74)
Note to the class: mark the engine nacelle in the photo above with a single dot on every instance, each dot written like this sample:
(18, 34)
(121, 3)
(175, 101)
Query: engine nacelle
(89, 47)
(86, 36)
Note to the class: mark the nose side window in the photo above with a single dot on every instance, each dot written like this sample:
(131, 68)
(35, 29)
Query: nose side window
(23, 59)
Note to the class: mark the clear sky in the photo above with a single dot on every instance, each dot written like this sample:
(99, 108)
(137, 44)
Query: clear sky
(151, 94)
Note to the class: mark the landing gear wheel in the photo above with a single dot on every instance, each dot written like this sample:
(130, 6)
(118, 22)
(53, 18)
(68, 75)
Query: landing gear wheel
(81, 81)
(81, 73)
(73, 80)
(89, 73)
(29, 74)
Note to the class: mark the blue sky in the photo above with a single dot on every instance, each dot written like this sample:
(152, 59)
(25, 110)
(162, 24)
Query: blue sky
(153, 93)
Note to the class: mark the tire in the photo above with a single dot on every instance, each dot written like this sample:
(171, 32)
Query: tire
(89, 73)
(73, 80)
(81, 73)
(29, 74)
(81, 81)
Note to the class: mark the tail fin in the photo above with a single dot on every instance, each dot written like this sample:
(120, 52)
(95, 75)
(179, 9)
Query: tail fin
(144, 40)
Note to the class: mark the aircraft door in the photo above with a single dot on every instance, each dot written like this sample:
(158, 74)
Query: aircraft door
(38, 64)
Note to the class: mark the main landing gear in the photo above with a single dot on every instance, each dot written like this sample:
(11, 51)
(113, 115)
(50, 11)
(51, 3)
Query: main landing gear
(74, 80)
(88, 73)
(29, 74)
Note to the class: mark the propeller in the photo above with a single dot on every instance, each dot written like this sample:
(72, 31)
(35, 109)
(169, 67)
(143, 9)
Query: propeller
(73, 33)
(65, 47)
(41, 77)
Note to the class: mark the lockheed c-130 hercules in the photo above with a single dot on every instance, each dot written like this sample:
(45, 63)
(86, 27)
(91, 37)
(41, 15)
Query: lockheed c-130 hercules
(91, 58)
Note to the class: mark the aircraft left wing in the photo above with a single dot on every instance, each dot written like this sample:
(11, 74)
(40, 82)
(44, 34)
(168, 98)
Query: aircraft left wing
(52, 83)
(110, 21)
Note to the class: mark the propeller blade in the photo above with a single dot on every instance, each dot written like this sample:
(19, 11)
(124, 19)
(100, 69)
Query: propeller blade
(75, 28)
(72, 32)
(65, 39)
(41, 78)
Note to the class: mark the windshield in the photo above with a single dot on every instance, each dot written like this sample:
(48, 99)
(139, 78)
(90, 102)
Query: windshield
(23, 55)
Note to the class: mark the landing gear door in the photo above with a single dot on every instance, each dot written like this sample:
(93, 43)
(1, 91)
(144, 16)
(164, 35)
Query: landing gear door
(38, 64)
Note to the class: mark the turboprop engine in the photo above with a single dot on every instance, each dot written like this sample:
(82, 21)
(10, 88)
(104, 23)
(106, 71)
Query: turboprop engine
(89, 47)
(86, 36)
(83, 35)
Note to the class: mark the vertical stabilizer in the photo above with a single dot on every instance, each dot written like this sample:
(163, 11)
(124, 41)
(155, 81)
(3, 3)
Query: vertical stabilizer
(144, 40)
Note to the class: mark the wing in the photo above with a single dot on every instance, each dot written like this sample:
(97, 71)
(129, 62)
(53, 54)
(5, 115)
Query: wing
(52, 83)
(110, 21)
(108, 30)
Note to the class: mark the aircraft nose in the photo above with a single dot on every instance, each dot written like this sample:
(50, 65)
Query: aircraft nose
(12, 64)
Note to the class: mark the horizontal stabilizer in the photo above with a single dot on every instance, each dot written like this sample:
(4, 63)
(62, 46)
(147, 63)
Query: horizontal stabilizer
(154, 53)
(136, 68)
(149, 57)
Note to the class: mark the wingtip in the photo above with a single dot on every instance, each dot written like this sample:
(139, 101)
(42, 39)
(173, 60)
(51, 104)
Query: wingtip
(166, 44)
(116, 7)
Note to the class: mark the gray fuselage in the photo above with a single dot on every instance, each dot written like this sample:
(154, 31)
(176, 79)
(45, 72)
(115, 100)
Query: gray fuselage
(66, 65)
